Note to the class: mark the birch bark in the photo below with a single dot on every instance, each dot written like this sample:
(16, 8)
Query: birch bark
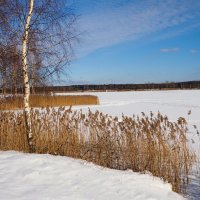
(27, 113)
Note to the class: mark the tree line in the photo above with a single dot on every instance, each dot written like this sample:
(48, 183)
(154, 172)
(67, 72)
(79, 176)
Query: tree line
(109, 87)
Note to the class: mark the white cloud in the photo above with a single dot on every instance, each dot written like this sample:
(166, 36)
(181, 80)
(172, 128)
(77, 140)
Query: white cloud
(176, 32)
(112, 22)
(169, 50)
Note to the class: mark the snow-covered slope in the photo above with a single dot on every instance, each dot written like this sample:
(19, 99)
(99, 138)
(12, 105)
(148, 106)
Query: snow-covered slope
(46, 177)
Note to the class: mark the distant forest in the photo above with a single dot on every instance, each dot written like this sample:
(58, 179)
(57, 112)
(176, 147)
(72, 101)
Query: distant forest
(113, 87)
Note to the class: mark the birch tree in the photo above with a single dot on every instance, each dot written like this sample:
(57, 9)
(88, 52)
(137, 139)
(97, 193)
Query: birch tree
(44, 32)
(27, 113)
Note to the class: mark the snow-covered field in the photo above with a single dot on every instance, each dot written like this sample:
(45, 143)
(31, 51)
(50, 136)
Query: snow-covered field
(46, 177)
(174, 104)
(24, 176)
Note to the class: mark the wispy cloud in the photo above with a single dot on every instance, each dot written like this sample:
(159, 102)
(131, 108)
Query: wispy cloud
(193, 51)
(170, 50)
(110, 22)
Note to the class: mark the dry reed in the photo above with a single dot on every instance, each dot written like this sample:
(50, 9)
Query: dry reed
(16, 102)
(148, 143)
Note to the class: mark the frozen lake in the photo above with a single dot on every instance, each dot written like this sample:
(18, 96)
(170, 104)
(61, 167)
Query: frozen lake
(174, 104)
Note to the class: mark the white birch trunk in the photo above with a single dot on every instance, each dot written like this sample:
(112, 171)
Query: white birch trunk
(26, 79)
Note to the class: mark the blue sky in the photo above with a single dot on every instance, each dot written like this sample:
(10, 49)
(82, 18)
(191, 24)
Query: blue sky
(137, 41)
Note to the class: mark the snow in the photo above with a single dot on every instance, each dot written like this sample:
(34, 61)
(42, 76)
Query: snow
(173, 103)
(46, 177)
(25, 176)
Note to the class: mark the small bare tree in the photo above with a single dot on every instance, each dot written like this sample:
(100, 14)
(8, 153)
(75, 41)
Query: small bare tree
(10, 72)
(44, 32)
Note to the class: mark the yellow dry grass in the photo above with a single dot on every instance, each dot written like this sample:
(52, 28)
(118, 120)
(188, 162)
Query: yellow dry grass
(16, 102)
(148, 143)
